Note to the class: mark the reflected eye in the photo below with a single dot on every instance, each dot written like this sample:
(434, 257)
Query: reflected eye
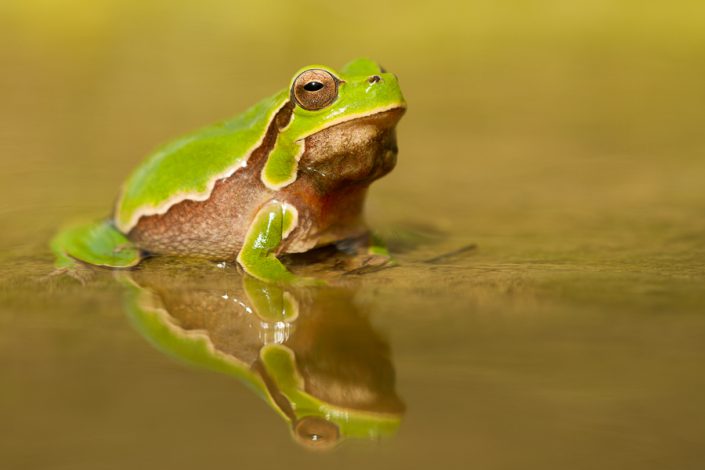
(315, 89)
(316, 433)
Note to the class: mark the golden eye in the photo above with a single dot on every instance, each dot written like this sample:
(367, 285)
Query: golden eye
(315, 89)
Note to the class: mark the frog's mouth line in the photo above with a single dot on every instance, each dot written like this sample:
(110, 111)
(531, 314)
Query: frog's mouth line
(386, 118)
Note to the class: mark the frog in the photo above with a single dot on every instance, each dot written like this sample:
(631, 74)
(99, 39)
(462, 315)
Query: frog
(288, 175)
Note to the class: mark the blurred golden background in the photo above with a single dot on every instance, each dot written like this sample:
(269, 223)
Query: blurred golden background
(521, 112)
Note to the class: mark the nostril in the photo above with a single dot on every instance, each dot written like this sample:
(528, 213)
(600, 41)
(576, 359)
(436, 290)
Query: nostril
(374, 79)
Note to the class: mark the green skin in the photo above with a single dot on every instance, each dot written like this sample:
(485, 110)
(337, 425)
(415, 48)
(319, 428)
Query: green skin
(187, 169)
(270, 303)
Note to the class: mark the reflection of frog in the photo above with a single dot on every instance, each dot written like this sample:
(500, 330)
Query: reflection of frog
(308, 352)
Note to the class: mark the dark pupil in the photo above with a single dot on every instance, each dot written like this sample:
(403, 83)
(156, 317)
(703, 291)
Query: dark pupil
(313, 86)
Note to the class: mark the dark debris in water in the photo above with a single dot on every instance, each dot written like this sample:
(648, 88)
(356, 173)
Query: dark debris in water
(453, 254)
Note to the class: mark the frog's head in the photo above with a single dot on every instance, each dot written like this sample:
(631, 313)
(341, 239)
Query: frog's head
(346, 120)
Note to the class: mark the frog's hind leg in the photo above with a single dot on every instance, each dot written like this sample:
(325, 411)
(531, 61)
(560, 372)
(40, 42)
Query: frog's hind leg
(92, 243)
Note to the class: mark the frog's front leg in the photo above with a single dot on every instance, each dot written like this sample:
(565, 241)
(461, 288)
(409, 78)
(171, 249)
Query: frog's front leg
(272, 224)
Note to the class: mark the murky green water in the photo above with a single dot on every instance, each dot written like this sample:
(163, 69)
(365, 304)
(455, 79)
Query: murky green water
(564, 143)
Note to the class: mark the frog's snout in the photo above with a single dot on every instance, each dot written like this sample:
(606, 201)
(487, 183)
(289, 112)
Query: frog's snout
(374, 79)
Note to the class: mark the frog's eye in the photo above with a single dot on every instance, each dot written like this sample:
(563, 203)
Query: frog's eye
(315, 89)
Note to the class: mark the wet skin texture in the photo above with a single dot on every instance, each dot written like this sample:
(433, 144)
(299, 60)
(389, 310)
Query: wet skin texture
(287, 175)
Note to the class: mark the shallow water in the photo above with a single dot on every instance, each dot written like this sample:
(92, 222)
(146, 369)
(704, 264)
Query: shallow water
(548, 307)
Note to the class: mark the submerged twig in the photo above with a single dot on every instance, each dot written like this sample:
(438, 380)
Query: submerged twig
(451, 254)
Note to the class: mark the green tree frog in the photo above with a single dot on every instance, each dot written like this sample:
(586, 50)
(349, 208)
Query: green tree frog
(288, 175)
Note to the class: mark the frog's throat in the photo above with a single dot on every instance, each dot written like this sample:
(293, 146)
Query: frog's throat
(279, 118)
(283, 160)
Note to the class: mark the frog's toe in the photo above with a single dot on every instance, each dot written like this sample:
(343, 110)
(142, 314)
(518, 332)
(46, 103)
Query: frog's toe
(77, 271)
(369, 263)
(81, 273)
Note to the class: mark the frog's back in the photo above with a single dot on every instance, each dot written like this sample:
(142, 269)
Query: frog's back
(188, 168)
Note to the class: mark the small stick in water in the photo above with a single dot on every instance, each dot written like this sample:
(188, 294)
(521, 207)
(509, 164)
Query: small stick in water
(451, 254)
